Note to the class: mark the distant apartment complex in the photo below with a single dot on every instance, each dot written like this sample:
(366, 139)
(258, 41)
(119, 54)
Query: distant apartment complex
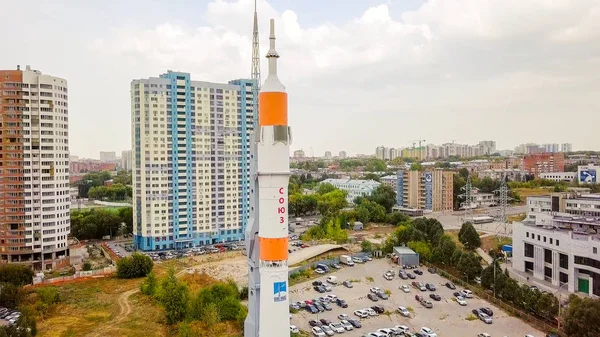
(544, 163)
(424, 190)
(35, 196)
(431, 151)
(108, 156)
(355, 188)
(509, 174)
(126, 160)
(190, 160)
(533, 148)
(299, 154)
(559, 241)
(343, 155)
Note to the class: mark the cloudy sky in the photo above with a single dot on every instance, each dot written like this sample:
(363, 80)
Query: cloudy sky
(359, 73)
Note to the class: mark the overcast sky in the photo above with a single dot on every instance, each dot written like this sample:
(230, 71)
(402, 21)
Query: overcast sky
(359, 73)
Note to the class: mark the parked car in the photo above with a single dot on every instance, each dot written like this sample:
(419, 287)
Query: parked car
(430, 286)
(325, 321)
(432, 270)
(388, 276)
(371, 312)
(361, 313)
(348, 284)
(461, 300)
(450, 285)
(485, 318)
(320, 289)
(373, 297)
(347, 325)
(427, 304)
(403, 311)
(312, 309)
(357, 260)
(294, 329)
(410, 276)
(405, 288)
(418, 272)
(337, 327)
(318, 332)
(487, 311)
(375, 290)
(428, 332)
(336, 266)
(319, 271)
(467, 293)
(341, 303)
(382, 295)
(403, 275)
(328, 330)
(312, 322)
(327, 307)
(378, 309)
(317, 283)
(435, 297)
(419, 298)
(343, 316)
(355, 323)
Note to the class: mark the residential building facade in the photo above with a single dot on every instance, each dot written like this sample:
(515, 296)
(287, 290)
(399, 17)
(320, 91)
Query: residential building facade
(126, 160)
(544, 163)
(35, 193)
(299, 154)
(355, 188)
(343, 155)
(497, 174)
(559, 241)
(190, 162)
(108, 156)
(425, 190)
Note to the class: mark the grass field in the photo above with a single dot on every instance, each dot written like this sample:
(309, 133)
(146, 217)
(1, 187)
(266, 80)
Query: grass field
(528, 192)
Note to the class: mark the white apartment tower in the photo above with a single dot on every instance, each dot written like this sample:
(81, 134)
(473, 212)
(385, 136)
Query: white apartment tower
(190, 160)
(35, 169)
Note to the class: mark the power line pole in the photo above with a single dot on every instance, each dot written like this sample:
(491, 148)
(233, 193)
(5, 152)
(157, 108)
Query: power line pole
(502, 227)
(468, 200)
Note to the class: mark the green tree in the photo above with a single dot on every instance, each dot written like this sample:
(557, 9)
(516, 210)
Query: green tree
(469, 265)
(148, 287)
(469, 237)
(332, 202)
(174, 297)
(10, 295)
(421, 248)
(136, 265)
(325, 188)
(366, 246)
(416, 167)
(547, 306)
(583, 317)
(371, 176)
(18, 275)
(395, 218)
(444, 251)
(385, 196)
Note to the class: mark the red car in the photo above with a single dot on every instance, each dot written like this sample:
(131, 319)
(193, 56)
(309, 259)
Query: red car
(303, 246)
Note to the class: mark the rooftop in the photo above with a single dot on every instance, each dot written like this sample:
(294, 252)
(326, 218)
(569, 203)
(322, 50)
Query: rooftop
(404, 250)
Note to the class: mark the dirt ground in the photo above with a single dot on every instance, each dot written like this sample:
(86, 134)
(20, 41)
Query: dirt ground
(235, 268)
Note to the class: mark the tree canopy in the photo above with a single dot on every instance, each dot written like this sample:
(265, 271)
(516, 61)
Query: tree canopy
(469, 237)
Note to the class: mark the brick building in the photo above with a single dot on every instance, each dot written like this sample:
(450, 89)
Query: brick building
(544, 163)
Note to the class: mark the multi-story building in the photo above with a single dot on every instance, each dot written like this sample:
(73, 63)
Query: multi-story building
(551, 148)
(544, 163)
(480, 199)
(418, 153)
(381, 152)
(190, 160)
(343, 155)
(488, 146)
(425, 190)
(566, 147)
(35, 193)
(354, 188)
(497, 174)
(90, 165)
(126, 160)
(327, 155)
(390, 181)
(559, 176)
(108, 156)
(587, 174)
(299, 154)
(559, 241)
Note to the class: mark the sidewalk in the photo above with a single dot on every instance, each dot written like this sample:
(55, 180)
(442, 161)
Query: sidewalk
(541, 284)
(485, 256)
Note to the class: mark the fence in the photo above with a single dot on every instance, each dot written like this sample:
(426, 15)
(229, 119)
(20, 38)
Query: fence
(78, 275)
(535, 321)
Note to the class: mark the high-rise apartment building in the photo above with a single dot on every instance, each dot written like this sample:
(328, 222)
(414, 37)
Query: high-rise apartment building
(551, 148)
(380, 152)
(425, 190)
(190, 160)
(488, 146)
(299, 154)
(343, 155)
(327, 155)
(566, 147)
(126, 160)
(108, 156)
(34, 160)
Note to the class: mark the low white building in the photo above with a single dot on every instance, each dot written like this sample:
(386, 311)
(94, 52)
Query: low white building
(559, 176)
(559, 241)
(355, 188)
(479, 199)
(497, 174)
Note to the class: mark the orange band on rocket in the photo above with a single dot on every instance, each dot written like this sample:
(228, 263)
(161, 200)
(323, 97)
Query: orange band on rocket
(273, 249)
(272, 109)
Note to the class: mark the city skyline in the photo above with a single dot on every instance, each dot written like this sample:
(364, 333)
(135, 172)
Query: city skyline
(487, 74)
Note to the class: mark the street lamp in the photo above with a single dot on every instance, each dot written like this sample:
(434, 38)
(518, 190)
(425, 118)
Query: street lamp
(560, 302)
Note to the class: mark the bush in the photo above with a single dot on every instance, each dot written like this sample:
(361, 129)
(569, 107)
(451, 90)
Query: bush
(148, 287)
(87, 266)
(16, 274)
(136, 265)
(10, 295)
(48, 295)
(244, 293)
(366, 246)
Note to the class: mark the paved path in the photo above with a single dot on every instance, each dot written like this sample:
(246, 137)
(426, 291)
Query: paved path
(485, 256)
(310, 252)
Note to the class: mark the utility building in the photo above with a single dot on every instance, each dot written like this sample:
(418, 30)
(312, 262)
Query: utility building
(406, 256)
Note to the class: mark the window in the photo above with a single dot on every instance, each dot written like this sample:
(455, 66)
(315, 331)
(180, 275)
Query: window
(547, 256)
(595, 250)
(528, 250)
(557, 242)
(563, 261)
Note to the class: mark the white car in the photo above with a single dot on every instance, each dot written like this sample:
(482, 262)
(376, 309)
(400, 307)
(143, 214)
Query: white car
(318, 332)
(361, 313)
(343, 317)
(484, 334)
(331, 297)
(403, 311)
(402, 328)
(327, 330)
(461, 300)
(319, 271)
(377, 334)
(467, 293)
(357, 260)
(388, 276)
(405, 288)
(371, 312)
(347, 325)
(428, 332)
(337, 327)
(387, 332)
(485, 318)
(375, 290)
(294, 329)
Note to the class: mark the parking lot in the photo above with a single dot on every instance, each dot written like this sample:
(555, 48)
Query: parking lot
(446, 318)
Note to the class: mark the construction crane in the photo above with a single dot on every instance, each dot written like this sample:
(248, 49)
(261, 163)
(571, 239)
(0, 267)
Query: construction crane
(421, 141)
